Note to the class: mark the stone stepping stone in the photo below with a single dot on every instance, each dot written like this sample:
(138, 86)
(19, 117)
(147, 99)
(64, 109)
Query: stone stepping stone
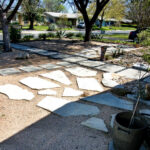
(108, 80)
(89, 84)
(110, 100)
(30, 68)
(47, 92)
(50, 66)
(110, 68)
(141, 66)
(38, 83)
(9, 71)
(46, 53)
(134, 97)
(95, 123)
(66, 108)
(90, 63)
(81, 72)
(20, 47)
(145, 111)
(72, 92)
(74, 59)
(58, 76)
(60, 56)
(111, 146)
(132, 73)
(15, 92)
(66, 64)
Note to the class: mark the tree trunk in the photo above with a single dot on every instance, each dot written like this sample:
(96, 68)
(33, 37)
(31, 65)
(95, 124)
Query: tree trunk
(31, 24)
(6, 37)
(88, 32)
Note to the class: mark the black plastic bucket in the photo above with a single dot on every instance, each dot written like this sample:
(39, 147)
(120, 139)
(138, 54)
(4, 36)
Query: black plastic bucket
(126, 138)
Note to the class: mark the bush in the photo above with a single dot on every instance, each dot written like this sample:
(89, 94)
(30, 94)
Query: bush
(43, 36)
(95, 27)
(15, 34)
(28, 37)
(144, 37)
(70, 35)
(96, 36)
(51, 35)
(146, 57)
(60, 34)
(52, 27)
(80, 35)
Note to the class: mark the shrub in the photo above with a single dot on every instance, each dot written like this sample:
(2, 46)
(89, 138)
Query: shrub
(43, 36)
(51, 35)
(52, 27)
(144, 37)
(96, 36)
(146, 57)
(70, 35)
(80, 35)
(95, 27)
(28, 37)
(60, 34)
(15, 34)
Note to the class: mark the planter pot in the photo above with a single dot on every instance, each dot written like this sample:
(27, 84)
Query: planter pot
(126, 138)
(103, 51)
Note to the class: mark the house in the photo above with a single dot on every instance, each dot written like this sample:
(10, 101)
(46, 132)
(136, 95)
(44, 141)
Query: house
(53, 17)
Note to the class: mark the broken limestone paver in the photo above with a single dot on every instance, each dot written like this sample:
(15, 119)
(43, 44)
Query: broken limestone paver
(141, 66)
(60, 56)
(112, 120)
(74, 59)
(132, 73)
(95, 123)
(15, 92)
(111, 146)
(134, 97)
(110, 100)
(145, 112)
(9, 71)
(66, 108)
(47, 92)
(65, 64)
(89, 84)
(38, 83)
(58, 76)
(72, 92)
(30, 68)
(108, 80)
(50, 66)
(110, 68)
(46, 53)
(90, 63)
(81, 72)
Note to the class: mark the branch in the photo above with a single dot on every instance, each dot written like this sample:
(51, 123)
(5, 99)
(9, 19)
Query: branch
(14, 11)
(9, 6)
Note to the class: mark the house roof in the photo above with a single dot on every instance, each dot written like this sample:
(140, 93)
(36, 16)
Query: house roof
(58, 15)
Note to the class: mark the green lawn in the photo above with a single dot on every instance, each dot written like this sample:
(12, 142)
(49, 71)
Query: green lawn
(119, 36)
(118, 28)
(37, 28)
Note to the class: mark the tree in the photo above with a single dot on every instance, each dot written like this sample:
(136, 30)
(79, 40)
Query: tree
(109, 10)
(32, 11)
(8, 9)
(54, 6)
(138, 11)
(82, 6)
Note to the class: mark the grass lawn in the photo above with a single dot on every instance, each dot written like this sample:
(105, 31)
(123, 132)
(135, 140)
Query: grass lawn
(118, 28)
(37, 28)
(120, 36)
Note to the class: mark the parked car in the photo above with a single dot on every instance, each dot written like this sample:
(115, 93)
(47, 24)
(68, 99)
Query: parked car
(134, 34)
(81, 25)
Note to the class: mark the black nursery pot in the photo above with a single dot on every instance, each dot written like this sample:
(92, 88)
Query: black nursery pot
(126, 138)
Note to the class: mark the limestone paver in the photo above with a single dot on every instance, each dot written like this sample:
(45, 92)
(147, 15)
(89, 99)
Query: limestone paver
(66, 108)
(141, 66)
(132, 73)
(9, 71)
(47, 92)
(72, 92)
(74, 59)
(58, 76)
(110, 68)
(15, 92)
(30, 68)
(81, 72)
(110, 100)
(65, 64)
(89, 84)
(147, 79)
(38, 83)
(145, 112)
(49, 66)
(95, 123)
(90, 63)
